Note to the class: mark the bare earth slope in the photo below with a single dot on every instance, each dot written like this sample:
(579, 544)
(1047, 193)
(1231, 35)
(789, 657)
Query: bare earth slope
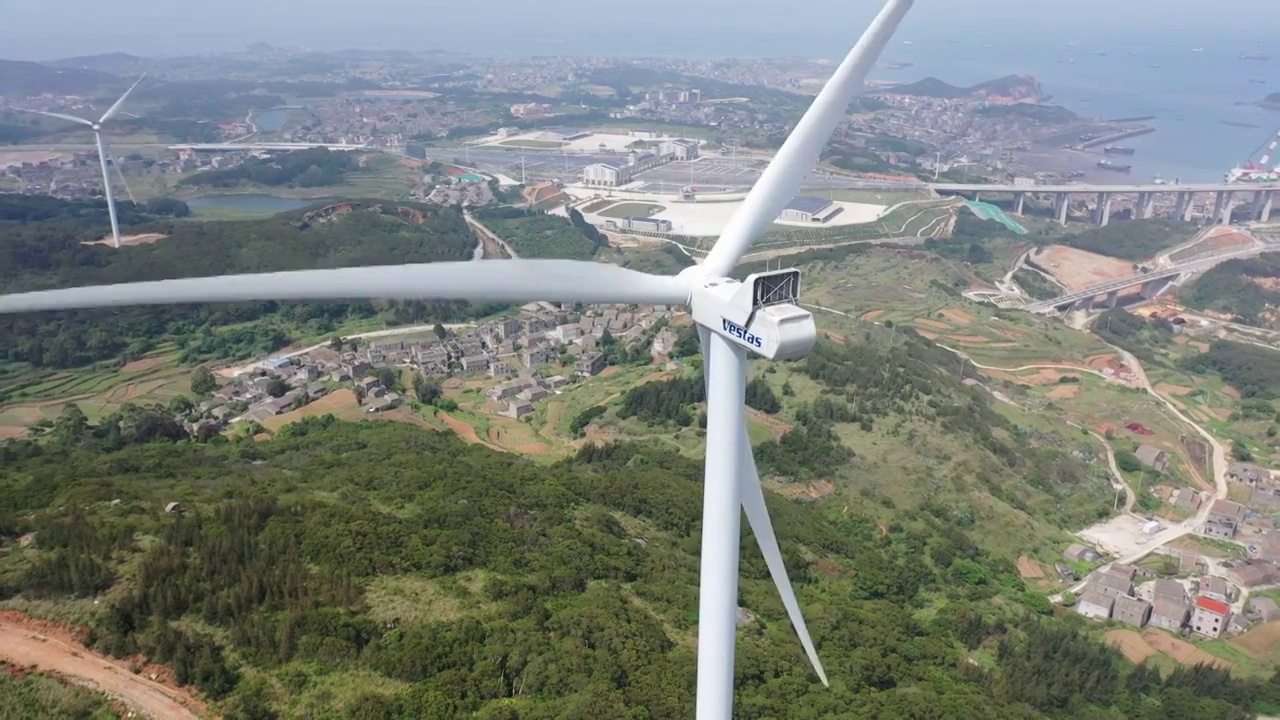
(22, 644)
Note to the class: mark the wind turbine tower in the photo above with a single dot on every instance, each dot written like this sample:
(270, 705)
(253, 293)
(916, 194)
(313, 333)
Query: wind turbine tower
(102, 150)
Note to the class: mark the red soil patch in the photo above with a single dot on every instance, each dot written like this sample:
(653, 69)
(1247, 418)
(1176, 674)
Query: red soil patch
(871, 315)
(970, 339)
(1077, 269)
(957, 316)
(128, 240)
(1064, 392)
(11, 431)
(26, 642)
(834, 337)
(931, 324)
(465, 431)
(1029, 569)
(928, 335)
(611, 370)
(1130, 644)
(1261, 641)
(1182, 651)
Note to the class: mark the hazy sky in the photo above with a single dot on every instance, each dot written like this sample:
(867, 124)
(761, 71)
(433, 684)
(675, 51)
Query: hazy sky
(33, 30)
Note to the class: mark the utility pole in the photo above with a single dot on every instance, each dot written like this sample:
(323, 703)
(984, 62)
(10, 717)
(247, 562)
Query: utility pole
(522, 178)
(937, 166)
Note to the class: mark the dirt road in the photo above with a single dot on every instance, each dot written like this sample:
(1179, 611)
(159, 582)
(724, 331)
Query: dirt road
(24, 646)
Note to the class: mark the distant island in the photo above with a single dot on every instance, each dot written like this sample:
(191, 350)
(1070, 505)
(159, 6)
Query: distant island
(1270, 102)
(1008, 89)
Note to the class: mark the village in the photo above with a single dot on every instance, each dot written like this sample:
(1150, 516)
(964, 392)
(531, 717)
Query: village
(1208, 596)
(527, 354)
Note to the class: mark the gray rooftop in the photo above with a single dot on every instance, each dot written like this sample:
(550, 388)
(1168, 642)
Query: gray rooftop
(810, 205)
(1170, 590)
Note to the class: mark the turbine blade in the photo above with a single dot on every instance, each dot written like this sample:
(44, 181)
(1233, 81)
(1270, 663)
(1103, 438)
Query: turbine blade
(479, 281)
(758, 517)
(60, 116)
(799, 154)
(116, 105)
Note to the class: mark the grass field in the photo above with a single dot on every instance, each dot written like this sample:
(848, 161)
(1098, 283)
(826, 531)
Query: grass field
(629, 209)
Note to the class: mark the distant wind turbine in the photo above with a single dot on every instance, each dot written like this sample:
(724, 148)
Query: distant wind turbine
(102, 152)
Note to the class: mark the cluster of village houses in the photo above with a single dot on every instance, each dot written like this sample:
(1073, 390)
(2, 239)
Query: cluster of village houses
(511, 348)
(1207, 604)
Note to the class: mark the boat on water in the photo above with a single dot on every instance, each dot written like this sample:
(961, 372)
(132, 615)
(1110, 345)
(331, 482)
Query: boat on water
(1197, 50)
(1118, 150)
(1256, 55)
(1115, 167)
(1234, 123)
(1257, 82)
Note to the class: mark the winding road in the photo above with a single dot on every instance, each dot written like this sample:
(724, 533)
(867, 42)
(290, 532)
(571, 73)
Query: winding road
(1173, 532)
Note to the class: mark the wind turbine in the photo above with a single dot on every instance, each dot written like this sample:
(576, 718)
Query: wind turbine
(758, 315)
(102, 151)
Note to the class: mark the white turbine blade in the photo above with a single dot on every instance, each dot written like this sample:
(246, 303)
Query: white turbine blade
(116, 105)
(60, 116)
(758, 517)
(479, 281)
(799, 154)
(115, 163)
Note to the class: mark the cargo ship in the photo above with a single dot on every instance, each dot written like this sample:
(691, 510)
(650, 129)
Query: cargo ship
(1108, 165)
(1118, 150)
(1256, 55)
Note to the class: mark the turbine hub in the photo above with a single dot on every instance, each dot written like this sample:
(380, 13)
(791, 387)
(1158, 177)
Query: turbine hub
(760, 314)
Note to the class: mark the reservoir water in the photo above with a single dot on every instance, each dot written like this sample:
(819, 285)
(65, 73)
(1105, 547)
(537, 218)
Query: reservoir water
(270, 120)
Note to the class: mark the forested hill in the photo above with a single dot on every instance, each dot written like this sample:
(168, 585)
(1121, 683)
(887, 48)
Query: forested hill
(338, 570)
(1240, 288)
(41, 247)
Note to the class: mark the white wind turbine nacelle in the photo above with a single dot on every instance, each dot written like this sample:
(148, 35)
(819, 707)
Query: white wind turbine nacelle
(102, 152)
(759, 315)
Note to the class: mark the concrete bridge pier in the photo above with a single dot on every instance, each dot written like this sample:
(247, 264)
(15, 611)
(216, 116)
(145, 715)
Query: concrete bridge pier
(1085, 304)
(1262, 202)
(1019, 203)
(1222, 207)
(1186, 202)
(1061, 205)
(1146, 207)
(1113, 299)
(1102, 214)
(1154, 288)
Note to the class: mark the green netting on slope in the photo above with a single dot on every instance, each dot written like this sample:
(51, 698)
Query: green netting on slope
(987, 211)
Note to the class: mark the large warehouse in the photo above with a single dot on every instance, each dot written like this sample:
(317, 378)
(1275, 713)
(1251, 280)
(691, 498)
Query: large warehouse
(809, 210)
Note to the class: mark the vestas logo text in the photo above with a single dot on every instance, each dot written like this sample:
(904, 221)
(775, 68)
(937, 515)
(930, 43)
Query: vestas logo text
(741, 333)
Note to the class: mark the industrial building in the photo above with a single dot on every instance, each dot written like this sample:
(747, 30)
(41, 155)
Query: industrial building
(605, 175)
(679, 149)
(809, 210)
(528, 110)
(646, 224)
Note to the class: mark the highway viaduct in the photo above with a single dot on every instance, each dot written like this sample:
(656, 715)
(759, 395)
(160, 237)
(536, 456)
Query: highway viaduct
(1224, 194)
(1153, 283)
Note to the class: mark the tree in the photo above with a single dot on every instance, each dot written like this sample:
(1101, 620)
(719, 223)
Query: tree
(427, 389)
(388, 377)
(440, 331)
(203, 382)
(1127, 461)
(180, 405)
(1241, 452)
(335, 344)
(277, 387)
(72, 426)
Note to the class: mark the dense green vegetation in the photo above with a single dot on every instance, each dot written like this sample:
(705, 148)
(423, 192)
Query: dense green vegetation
(40, 247)
(534, 234)
(1130, 332)
(933, 87)
(1040, 113)
(314, 167)
(1231, 288)
(40, 696)
(1036, 285)
(1132, 240)
(334, 551)
(1253, 370)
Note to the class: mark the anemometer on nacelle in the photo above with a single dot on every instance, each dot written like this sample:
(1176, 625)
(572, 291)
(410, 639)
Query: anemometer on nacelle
(759, 314)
